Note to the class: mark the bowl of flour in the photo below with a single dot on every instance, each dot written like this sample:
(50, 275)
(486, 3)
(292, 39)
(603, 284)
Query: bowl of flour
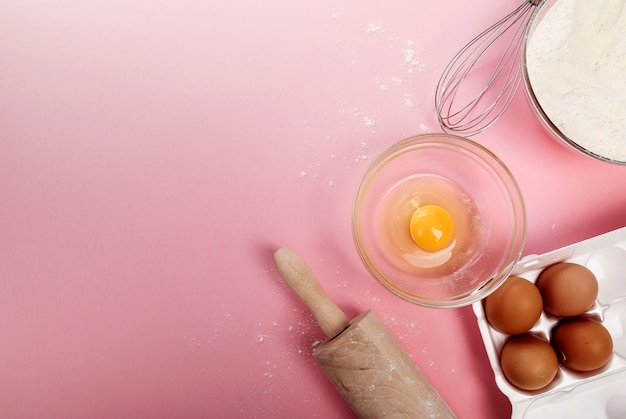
(574, 70)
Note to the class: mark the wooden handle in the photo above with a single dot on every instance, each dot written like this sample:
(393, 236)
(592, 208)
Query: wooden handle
(303, 282)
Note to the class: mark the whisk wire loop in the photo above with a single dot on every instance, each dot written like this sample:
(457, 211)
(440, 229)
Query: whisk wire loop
(467, 106)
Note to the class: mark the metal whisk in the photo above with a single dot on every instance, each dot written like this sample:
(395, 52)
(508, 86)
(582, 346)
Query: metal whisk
(480, 82)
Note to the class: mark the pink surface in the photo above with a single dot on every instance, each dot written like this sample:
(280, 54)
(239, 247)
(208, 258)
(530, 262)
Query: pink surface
(154, 154)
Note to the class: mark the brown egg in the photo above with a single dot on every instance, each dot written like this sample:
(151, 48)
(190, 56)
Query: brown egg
(567, 289)
(528, 362)
(514, 307)
(582, 344)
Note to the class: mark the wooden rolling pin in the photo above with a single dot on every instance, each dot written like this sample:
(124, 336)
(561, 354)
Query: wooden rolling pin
(361, 358)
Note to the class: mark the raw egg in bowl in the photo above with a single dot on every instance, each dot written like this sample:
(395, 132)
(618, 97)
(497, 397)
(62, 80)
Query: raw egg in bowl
(439, 220)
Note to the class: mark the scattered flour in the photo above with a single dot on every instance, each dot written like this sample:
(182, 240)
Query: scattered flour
(409, 101)
(576, 60)
(368, 122)
(411, 60)
(374, 28)
(393, 82)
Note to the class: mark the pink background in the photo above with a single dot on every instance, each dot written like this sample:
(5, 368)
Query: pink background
(154, 154)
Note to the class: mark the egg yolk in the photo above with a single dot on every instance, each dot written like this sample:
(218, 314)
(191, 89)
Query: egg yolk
(432, 227)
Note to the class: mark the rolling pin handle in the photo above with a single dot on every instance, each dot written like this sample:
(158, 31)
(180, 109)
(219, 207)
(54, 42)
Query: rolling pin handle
(302, 281)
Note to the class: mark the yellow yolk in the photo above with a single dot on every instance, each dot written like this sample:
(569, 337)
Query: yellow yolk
(432, 227)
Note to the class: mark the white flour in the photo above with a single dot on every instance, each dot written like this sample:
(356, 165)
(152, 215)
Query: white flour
(576, 61)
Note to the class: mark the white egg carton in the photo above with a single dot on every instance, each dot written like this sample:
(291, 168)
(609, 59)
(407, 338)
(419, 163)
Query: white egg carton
(571, 395)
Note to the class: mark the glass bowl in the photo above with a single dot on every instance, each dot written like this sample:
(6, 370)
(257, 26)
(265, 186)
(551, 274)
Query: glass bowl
(576, 101)
(477, 191)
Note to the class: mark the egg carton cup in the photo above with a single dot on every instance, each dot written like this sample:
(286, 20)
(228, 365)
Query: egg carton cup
(601, 394)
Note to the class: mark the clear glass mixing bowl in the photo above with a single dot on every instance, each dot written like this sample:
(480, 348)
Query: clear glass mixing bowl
(574, 140)
(478, 191)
